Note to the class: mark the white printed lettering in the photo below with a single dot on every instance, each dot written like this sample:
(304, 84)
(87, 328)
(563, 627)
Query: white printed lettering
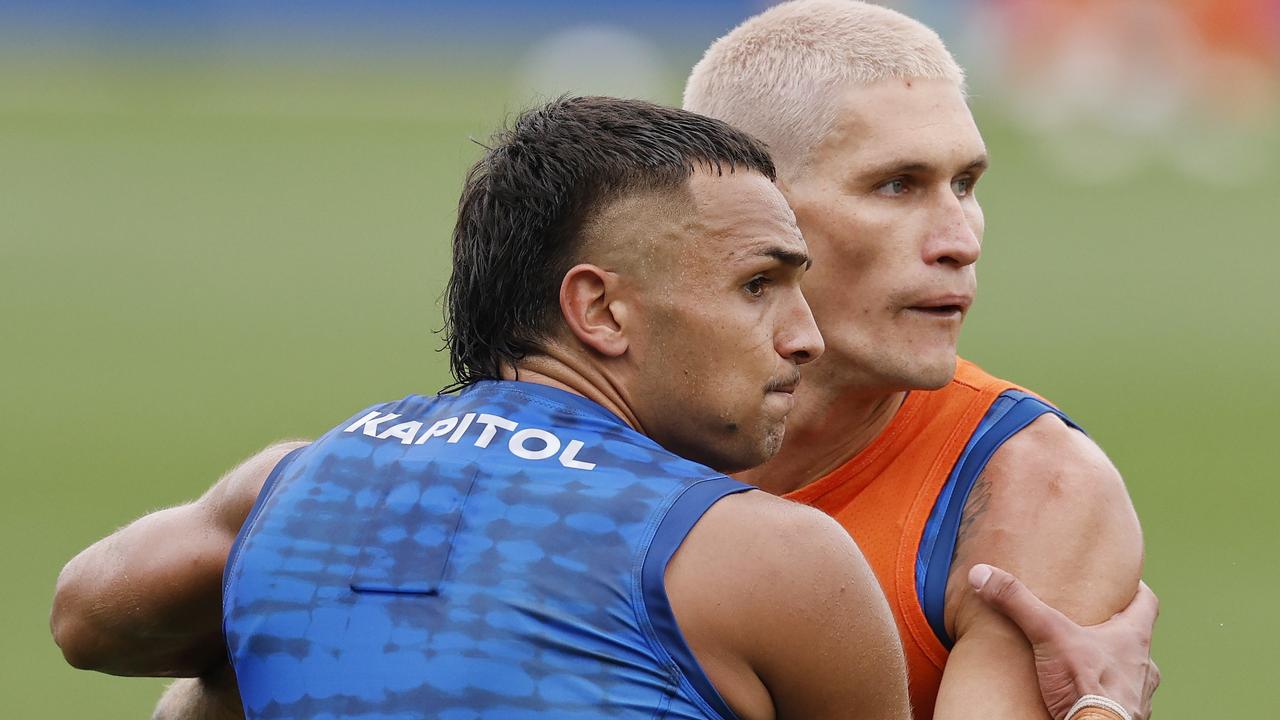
(570, 457)
(370, 424)
(405, 431)
(550, 444)
(438, 428)
(462, 427)
(492, 423)
(523, 444)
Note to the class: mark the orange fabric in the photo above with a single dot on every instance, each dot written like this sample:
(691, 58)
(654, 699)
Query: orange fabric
(883, 497)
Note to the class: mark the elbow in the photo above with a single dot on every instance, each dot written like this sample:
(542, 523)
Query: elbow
(71, 624)
(76, 649)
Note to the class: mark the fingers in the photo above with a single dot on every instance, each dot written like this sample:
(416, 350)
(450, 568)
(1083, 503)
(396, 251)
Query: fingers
(1006, 594)
(1152, 683)
(1148, 691)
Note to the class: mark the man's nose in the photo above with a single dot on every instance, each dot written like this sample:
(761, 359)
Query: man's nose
(798, 339)
(956, 239)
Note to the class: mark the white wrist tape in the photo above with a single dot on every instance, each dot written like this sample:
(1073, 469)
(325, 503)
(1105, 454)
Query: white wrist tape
(1097, 701)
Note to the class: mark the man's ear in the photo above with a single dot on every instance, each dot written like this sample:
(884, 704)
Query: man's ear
(591, 309)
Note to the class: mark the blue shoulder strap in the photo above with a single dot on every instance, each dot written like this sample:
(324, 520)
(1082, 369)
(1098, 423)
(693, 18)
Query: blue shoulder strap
(680, 518)
(1011, 412)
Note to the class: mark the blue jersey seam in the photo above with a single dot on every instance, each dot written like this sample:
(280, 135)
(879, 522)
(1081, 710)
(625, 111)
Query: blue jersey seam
(638, 605)
(259, 503)
(642, 610)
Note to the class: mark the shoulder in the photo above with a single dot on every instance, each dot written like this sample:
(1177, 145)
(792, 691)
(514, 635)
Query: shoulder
(1051, 508)
(778, 531)
(768, 553)
(230, 499)
(781, 593)
(1048, 460)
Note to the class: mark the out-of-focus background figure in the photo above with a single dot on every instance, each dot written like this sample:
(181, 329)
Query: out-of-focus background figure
(221, 215)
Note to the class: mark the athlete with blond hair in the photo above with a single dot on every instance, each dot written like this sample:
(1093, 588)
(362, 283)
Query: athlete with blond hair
(933, 465)
(546, 559)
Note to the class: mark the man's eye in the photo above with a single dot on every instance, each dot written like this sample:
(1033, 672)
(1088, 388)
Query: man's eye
(755, 288)
(896, 186)
(962, 186)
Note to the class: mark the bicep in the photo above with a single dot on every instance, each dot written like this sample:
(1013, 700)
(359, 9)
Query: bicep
(835, 651)
(1051, 509)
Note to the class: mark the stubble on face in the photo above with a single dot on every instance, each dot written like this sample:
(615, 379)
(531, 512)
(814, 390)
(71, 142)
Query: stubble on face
(705, 354)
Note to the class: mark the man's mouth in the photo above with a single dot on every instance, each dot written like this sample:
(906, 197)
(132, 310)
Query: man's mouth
(951, 306)
(785, 385)
(939, 310)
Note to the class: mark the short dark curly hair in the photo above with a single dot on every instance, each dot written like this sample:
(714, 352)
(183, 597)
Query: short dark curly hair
(526, 200)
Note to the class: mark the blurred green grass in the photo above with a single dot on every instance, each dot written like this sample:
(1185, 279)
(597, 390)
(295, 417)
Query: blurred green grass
(198, 259)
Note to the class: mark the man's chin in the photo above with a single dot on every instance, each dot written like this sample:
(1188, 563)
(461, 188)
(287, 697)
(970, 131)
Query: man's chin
(742, 452)
(757, 452)
(933, 374)
(936, 380)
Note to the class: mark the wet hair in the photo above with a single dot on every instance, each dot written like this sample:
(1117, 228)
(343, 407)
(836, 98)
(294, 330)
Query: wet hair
(526, 202)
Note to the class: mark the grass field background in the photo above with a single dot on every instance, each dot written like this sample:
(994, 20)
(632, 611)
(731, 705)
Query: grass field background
(197, 259)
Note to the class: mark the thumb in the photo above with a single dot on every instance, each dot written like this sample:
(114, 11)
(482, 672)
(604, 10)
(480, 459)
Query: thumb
(1007, 595)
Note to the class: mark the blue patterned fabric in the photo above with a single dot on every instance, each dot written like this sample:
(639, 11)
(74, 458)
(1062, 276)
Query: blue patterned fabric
(497, 553)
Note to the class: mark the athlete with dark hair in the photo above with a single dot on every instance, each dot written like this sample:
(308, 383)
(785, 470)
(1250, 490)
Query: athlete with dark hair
(625, 324)
(555, 538)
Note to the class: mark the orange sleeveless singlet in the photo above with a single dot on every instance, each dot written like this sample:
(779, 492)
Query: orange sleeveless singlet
(883, 496)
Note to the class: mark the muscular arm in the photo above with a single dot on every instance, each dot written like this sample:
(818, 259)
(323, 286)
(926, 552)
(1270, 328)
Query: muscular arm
(1051, 509)
(147, 599)
(783, 612)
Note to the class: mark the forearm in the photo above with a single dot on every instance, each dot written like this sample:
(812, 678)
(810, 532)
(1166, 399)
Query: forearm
(994, 672)
(145, 600)
(992, 676)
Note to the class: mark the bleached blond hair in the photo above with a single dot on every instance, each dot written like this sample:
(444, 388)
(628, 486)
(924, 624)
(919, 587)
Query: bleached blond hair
(779, 75)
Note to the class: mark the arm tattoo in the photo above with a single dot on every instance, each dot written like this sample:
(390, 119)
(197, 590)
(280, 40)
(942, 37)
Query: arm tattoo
(974, 507)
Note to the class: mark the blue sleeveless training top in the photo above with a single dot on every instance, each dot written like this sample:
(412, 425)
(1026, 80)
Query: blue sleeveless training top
(496, 553)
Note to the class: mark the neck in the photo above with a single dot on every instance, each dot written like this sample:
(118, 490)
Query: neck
(552, 369)
(828, 427)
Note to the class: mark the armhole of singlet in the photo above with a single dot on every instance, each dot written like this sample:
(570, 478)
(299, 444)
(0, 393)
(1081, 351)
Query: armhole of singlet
(680, 518)
(228, 570)
(1012, 411)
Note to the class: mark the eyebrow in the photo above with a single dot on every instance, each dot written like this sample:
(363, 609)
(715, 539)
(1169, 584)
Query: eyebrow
(794, 258)
(981, 162)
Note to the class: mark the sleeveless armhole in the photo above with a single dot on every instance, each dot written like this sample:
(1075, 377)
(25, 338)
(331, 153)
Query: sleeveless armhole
(228, 570)
(692, 503)
(1012, 411)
